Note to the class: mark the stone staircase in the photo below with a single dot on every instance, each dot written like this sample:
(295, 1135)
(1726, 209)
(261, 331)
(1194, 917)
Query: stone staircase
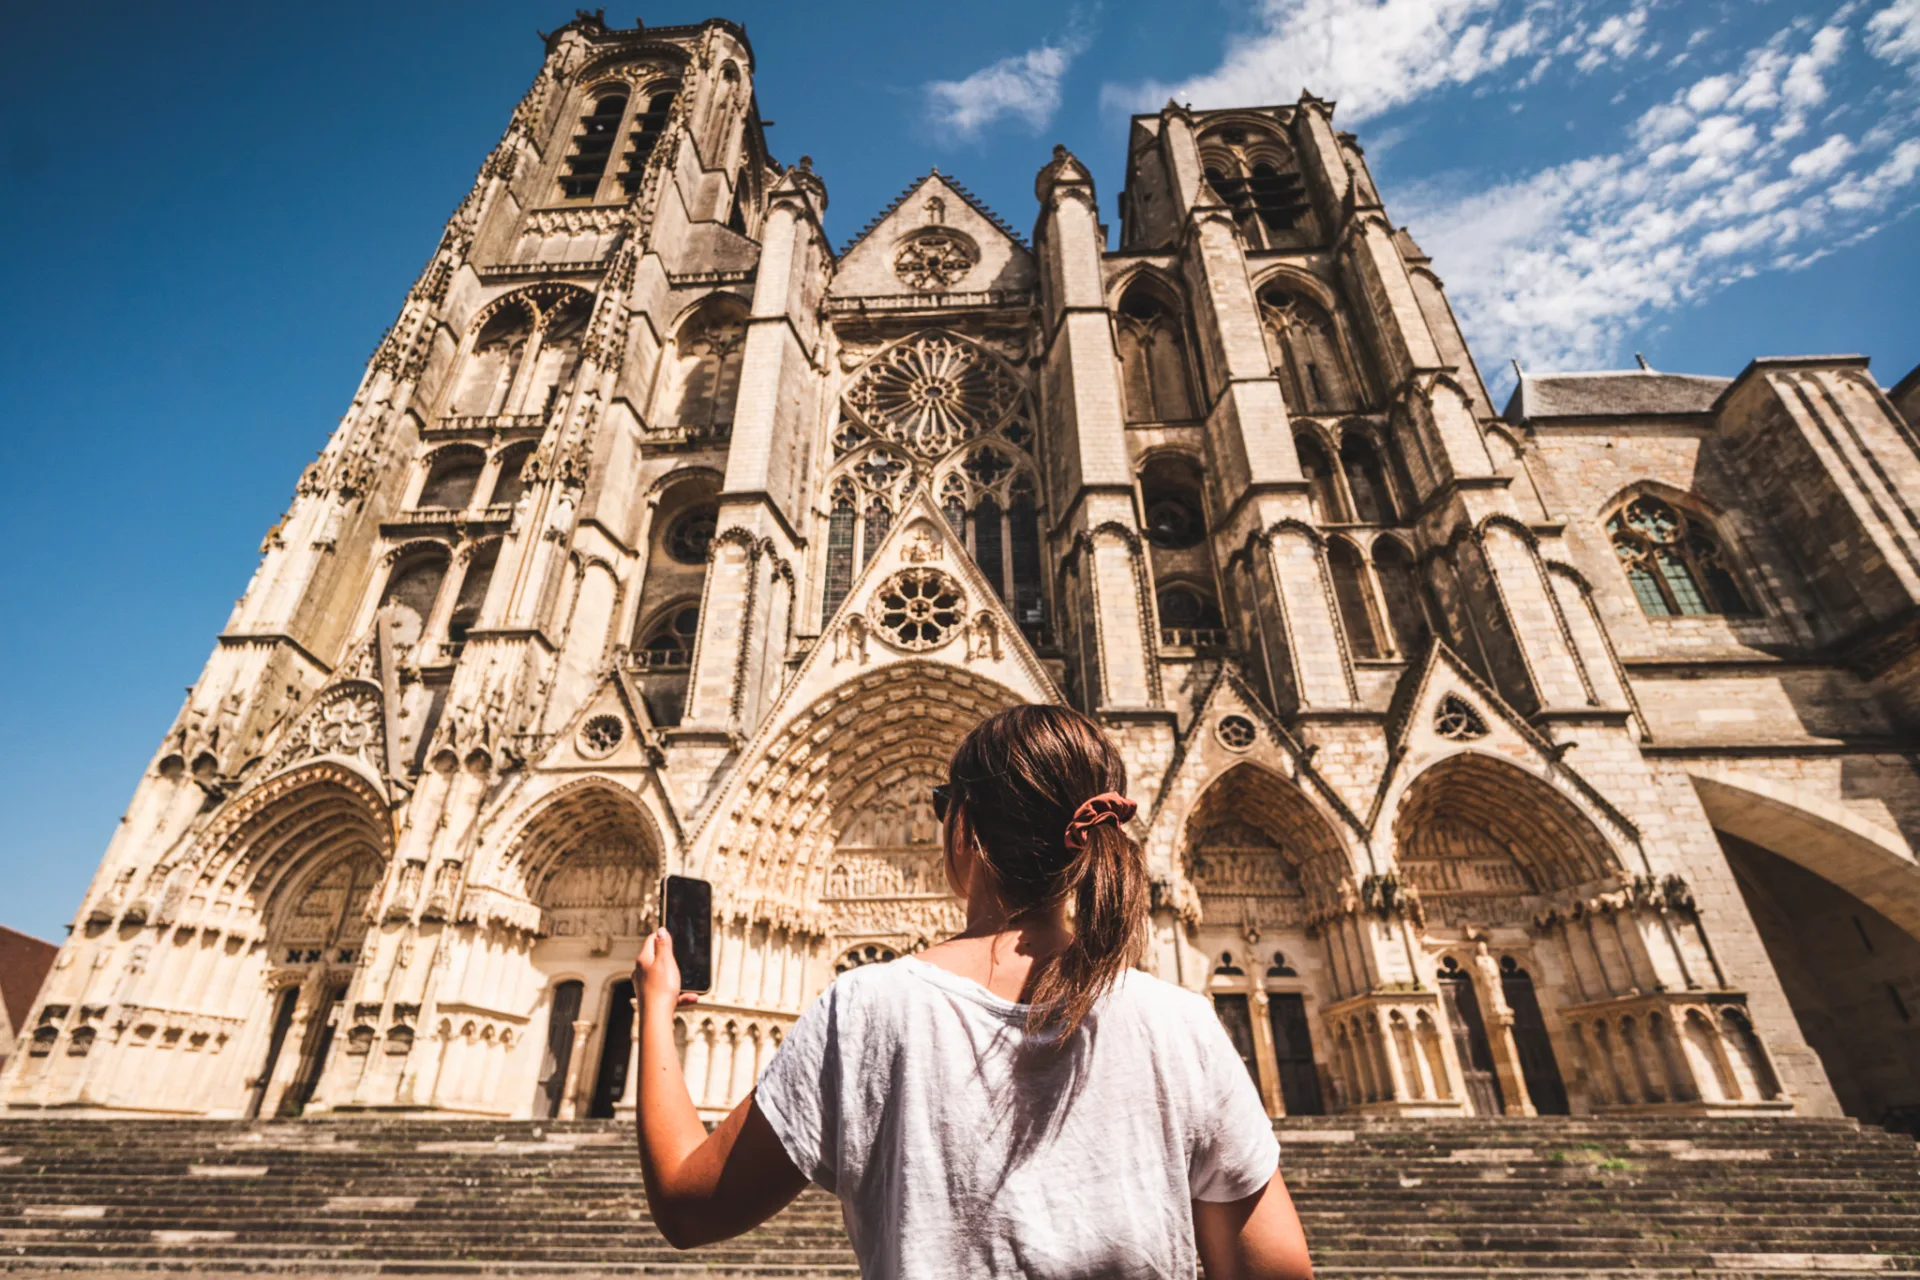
(1428, 1198)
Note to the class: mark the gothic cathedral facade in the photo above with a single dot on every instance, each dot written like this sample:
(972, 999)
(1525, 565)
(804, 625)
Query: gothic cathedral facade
(1559, 758)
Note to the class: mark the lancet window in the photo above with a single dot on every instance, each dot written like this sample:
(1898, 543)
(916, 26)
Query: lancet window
(1323, 491)
(593, 142)
(1253, 173)
(492, 364)
(1366, 480)
(643, 134)
(1674, 560)
(559, 355)
(510, 480)
(1384, 606)
(473, 591)
(1180, 553)
(412, 588)
(667, 618)
(452, 476)
(1305, 348)
(1153, 357)
(1348, 569)
(700, 381)
(524, 356)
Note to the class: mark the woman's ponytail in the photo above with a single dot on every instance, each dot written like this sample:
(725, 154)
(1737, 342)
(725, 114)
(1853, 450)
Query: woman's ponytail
(1044, 792)
(1108, 880)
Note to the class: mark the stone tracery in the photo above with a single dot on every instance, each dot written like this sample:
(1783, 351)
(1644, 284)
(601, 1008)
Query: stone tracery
(933, 392)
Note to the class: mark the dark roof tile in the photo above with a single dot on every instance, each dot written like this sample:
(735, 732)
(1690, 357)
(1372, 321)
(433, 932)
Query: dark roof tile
(1615, 393)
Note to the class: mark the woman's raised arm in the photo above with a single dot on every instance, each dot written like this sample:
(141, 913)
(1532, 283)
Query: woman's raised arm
(701, 1187)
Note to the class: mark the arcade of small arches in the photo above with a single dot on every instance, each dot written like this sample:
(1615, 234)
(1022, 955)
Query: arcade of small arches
(1507, 963)
(1507, 960)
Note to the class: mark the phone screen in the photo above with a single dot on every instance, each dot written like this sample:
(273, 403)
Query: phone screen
(687, 915)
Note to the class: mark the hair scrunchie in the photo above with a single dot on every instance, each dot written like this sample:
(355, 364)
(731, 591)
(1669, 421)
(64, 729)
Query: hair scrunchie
(1108, 806)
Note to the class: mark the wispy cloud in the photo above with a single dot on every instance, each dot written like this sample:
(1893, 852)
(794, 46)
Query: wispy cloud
(1734, 174)
(1025, 86)
(1894, 32)
(1779, 157)
(1369, 55)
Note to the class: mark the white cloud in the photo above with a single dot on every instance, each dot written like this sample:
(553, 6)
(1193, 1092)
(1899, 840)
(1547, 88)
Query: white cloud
(1894, 32)
(1616, 38)
(1371, 56)
(1368, 55)
(1713, 186)
(1025, 86)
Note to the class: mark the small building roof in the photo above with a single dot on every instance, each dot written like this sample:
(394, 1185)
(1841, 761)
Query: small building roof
(24, 962)
(1612, 393)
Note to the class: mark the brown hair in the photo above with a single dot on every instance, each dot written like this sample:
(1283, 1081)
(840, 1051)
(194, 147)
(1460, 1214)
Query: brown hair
(1017, 781)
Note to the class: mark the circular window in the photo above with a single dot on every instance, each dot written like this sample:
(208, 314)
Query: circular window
(919, 608)
(934, 261)
(1183, 607)
(1173, 525)
(600, 735)
(692, 534)
(1237, 732)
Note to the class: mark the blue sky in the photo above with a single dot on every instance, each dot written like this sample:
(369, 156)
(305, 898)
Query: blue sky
(212, 212)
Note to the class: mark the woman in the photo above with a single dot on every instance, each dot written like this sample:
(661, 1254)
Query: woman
(1016, 1100)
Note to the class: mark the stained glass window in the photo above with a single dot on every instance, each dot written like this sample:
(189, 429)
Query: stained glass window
(1673, 561)
(839, 556)
(987, 543)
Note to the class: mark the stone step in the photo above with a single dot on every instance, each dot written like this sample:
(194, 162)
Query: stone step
(1532, 1200)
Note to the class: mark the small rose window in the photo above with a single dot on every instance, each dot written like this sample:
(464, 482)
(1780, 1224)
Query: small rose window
(919, 608)
(934, 262)
(600, 735)
(1237, 732)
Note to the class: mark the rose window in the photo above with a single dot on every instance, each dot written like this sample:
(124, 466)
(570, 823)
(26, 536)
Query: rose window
(1237, 732)
(1457, 720)
(932, 393)
(600, 735)
(919, 608)
(934, 262)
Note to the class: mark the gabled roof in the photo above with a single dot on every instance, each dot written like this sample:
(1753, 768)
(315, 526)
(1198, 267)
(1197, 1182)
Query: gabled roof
(972, 200)
(1612, 393)
(24, 963)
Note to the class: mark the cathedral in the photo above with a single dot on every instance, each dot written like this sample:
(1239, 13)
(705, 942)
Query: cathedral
(1553, 758)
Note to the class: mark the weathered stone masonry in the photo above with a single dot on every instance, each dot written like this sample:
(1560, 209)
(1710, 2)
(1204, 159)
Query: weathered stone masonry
(1560, 759)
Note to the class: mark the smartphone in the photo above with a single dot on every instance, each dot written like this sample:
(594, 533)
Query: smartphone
(686, 913)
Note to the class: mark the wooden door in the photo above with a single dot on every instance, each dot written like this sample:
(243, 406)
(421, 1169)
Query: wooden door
(559, 1054)
(1293, 1053)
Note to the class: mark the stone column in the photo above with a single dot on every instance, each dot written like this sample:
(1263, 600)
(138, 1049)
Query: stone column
(1264, 1054)
(576, 1059)
(1093, 505)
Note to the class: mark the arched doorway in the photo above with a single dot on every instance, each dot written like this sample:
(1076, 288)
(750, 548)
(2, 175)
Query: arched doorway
(320, 932)
(1851, 975)
(1491, 851)
(1261, 859)
(310, 848)
(589, 860)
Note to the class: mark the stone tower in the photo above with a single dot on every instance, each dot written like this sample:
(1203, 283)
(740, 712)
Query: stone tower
(661, 537)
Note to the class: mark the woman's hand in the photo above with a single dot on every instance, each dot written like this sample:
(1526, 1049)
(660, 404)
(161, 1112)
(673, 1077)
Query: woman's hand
(656, 975)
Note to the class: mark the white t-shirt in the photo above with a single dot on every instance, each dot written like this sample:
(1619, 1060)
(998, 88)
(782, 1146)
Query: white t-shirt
(899, 1091)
